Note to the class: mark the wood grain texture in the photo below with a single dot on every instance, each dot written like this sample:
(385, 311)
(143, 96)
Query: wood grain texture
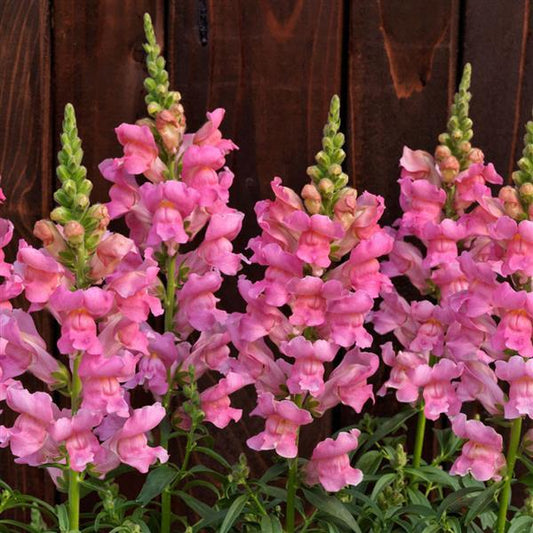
(498, 44)
(99, 68)
(401, 77)
(25, 163)
(274, 66)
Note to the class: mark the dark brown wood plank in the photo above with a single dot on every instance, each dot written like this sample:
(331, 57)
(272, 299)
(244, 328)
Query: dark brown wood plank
(401, 77)
(25, 162)
(99, 68)
(498, 44)
(274, 66)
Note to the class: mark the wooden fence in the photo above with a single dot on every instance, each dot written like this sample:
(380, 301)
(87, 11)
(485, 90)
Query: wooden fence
(274, 66)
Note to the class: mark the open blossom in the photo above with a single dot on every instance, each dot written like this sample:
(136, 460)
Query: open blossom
(209, 133)
(77, 312)
(307, 372)
(216, 403)
(141, 155)
(419, 165)
(439, 391)
(317, 232)
(330, 463)
(283, 419)
(519, 374)
(76, 432)
(22, 348)
(482, 454)
(130, 444)
(29, 438)
(347, 384)
(109, 252)
(40, 273)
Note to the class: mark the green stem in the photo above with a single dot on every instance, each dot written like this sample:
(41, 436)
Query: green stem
(419, 439)
(291, 495)
(74, 477)
(169, 304)
(505, 495)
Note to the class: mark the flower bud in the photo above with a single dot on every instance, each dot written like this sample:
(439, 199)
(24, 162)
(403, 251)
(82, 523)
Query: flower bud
(101, 214)
(511, 202)
(60, 215)
(310, 192)
(74, 232)
(326, 186)
(476, 156)
(526, 192)
(153, 108)
(170, 124)
(314, 172)
(449, 168)
(81, 201)
(53, 241)
(442, 152)
(345, 207)
(465, 147)
(335, 170)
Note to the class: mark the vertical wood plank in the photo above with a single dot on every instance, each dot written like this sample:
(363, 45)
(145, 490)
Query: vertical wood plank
(99, 68)
(25, 162)
(274, 66)
(498, 44)
(401, 77)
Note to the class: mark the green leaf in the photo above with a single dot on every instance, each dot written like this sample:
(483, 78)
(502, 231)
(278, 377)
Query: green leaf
(233, 513)
(62, 518)
(417, 498)
(382, 482)
(331, 506)
(456, 500)
(156, 482)
(273, 472)
(523, 524)
(433, 474)
(200, 508)
(214, 455)
(390, 426)
(271, 524)
(480, 503)
(369, 462)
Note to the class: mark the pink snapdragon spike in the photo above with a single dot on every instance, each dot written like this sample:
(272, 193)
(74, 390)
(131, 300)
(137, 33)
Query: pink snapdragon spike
(330, 463)
(482, 454)
(301, 335)
(519, 374)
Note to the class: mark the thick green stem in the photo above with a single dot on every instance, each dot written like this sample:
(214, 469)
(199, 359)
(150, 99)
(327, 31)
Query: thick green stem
(505, 494)
(169, 304)
(74, 477)
(419, 439)
(291, 495)
(74, 501)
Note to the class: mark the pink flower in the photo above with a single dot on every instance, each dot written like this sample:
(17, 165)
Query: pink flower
(197, 303)
(124, 192)
(130, 443)
(209, 134)
(330, 463)
(307, 373)
(109, 253)
(216, 249)
(41, 274)
(406, 260)
(441, 240)
(519, 253)
(216, 403)
(282, 267)
(404, 365)
(347, 383)
(317, 234)
(6, 234)
(519, 374)
(479, 383)
(421, 202)
(22, 348)
(439, 391)
(76, 431)
(210, 352)
(77, 312)
(309, 299)
(345, 316)
(169, 203)
(470, 184)
(482, 453)
(283, 418)
(101, 377)
(515, 328)
(140, 151)
(419, 165)
(29, 438)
